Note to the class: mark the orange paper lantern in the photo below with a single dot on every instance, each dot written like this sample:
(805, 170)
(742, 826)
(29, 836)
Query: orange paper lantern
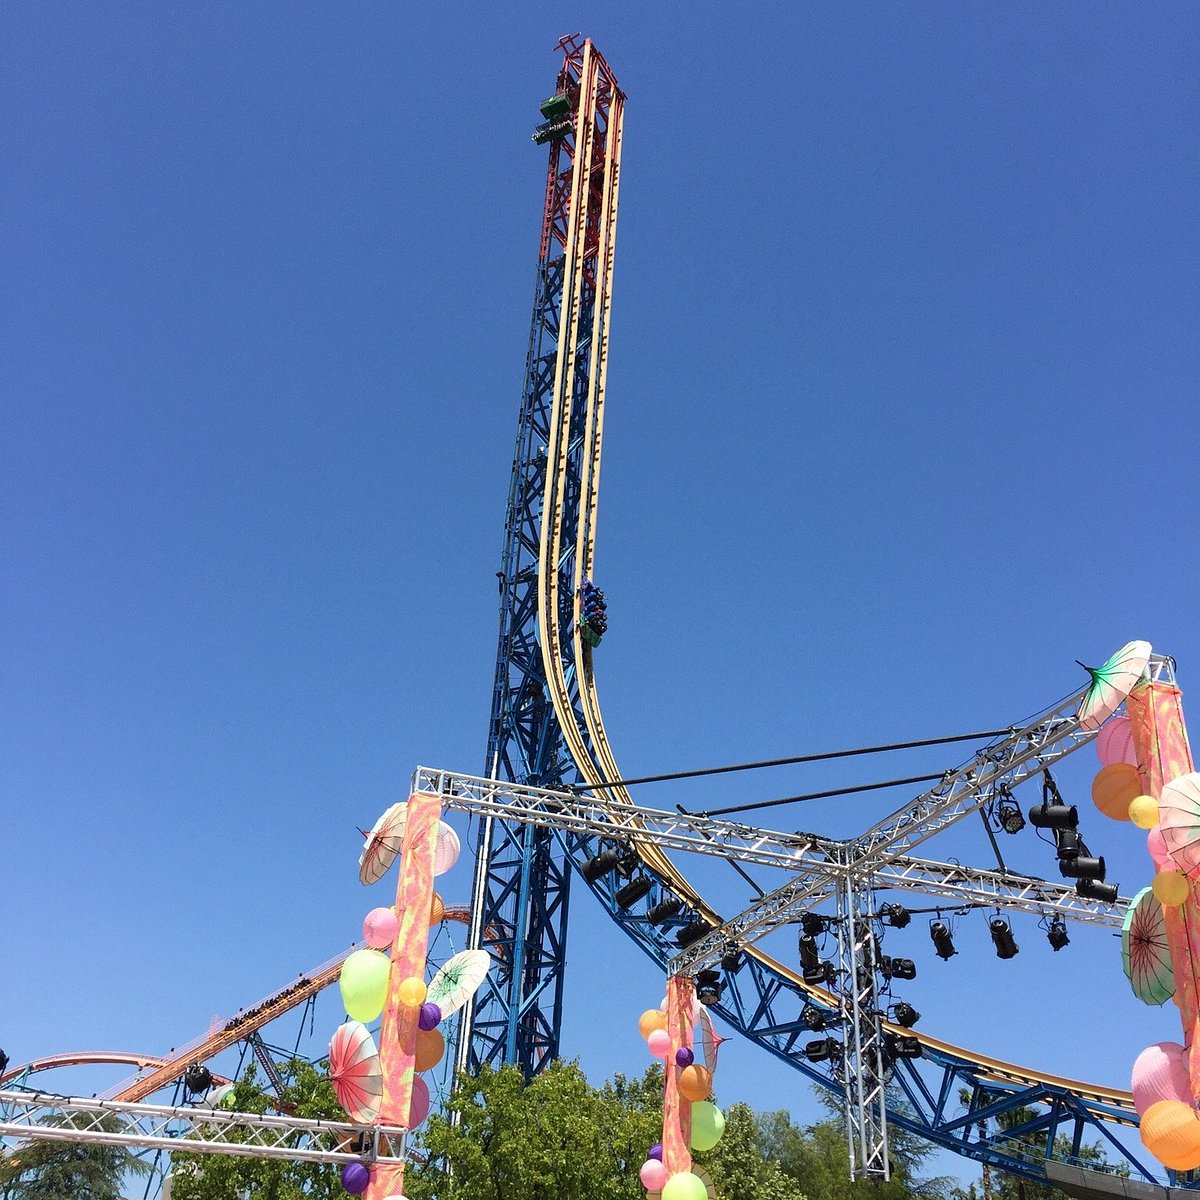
(650, 1020)
(437, 910)
(1115, 788)
(1171, 1132)
(695, 1083)
(430, 1048)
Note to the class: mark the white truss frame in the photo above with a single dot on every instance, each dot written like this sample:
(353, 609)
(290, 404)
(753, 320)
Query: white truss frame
(196, 1130)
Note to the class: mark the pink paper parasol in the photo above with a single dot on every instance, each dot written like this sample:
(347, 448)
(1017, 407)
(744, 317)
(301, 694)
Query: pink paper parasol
(1179, 820)
(354, 1070)
(1112, 682)
(1145, 951)
(387, 837)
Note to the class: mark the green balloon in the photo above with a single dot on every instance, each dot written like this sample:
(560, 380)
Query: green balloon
(683, 1185)
(364, 981)
(708, 1123)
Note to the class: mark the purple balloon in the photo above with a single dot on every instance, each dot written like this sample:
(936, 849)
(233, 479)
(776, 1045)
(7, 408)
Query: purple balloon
(684, 1057)
(355, 1178)
(656, 1151)
(430, 1015)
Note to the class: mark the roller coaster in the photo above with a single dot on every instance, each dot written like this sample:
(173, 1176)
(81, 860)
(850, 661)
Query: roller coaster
(553, 808)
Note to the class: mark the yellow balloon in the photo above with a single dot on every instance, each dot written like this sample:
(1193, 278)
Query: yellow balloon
(1171, 888)
(411, 992)
(1143, 811)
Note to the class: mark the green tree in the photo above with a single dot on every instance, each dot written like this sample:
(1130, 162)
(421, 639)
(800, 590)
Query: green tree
(307, 1093)
(61, 1170)
(741, 1168)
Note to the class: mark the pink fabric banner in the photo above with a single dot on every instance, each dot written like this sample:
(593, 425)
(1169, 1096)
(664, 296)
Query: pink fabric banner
(1163, 753)
(677, 1110)
(398, 1036)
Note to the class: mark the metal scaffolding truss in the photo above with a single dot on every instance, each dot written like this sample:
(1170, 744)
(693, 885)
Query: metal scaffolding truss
(45, 1117)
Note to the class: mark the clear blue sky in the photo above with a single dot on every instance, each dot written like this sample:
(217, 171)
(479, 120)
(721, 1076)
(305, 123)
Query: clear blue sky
(901, 422)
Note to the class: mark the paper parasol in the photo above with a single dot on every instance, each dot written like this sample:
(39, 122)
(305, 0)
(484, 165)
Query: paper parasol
(710, 1041)
(354, 1070)
(458, 980)
(386, 838)
(1112, 682)
(1179, 820)
(1144, 950)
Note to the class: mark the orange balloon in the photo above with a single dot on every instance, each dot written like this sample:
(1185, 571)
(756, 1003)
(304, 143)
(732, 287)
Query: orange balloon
(437, 910)
(650, 1020)
(1170, 1130)
(430, 1048)
(1115, 788)
(695, 1083)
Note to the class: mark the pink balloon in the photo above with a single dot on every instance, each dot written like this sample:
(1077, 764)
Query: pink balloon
(653, 1175)
(379, 928)
(1160, 1072)
(1159, 854)
(1114, 742)
(420, 1102)
(659, 1043)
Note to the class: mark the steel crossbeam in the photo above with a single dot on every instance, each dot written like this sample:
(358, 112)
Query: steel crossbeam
(42, 1116)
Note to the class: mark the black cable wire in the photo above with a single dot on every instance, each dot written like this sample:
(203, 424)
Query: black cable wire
(787, 762)
(847, 791)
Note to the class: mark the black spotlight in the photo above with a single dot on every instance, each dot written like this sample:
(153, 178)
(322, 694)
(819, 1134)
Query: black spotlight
(942, 941)
(731, 960)
(822, 1050)
(900, 1045)
(897, 968)
(708, 986)
(628, 862)
(1008, 813)
(895, 915)
(3, 1062)
(814, 923)
(1082, 867)
(810, 956)
(1054, 816)
(821, 972)
(1067, 843)
(693, 931)
(599, 866)
(1056, 935)
(197, 1078)
(1091, 889)
(1006, 946)
(813, 1017)
(633, 891)
(664, 910)
(904, 1014)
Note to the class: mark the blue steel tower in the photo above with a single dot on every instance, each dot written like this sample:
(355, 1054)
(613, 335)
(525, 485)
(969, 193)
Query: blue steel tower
(522, 881)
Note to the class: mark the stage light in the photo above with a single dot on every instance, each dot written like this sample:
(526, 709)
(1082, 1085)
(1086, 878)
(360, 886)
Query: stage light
(942, 941)
(1091, 889)
(629, 861)
(601, 864)
(1067, 843)
(821, 972)
(904, 1014)
(895, 915)
(633, 891)
(822, 1050)
(732, 959)
(708, 987)
(1054, 816)
(3, 1062)
(1002, 938)
(664, 910)
(814, 923)
(1056, 935)
(693, 931)
(810, 956)
(900, 1045)
(897, 968)
(813, 1017)
(1083, 867)
(1008, 813)
(197, 1078)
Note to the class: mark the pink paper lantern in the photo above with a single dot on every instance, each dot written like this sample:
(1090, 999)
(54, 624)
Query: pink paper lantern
(659, 1043)
(1114, 742)
(1160, 1072)
(420, 1102)
(379, 928)
(653, 1175)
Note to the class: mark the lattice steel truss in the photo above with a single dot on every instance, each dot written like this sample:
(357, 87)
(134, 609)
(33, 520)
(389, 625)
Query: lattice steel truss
(46, 1117)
